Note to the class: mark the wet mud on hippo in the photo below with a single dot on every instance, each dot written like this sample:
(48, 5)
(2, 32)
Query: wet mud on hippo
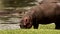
(44, 13)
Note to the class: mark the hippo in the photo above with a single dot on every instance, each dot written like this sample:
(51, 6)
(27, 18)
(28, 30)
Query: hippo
(44, 13)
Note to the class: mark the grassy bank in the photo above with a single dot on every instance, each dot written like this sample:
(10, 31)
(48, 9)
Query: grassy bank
(43, 29)
(30, 31)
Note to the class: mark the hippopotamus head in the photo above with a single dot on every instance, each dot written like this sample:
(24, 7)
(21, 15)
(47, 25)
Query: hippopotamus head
(26, 22)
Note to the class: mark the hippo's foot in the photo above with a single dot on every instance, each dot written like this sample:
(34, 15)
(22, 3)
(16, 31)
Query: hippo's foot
(35, 26)
(57, 26)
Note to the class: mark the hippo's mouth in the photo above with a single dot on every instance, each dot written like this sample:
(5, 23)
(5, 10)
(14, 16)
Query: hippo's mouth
(28, 26)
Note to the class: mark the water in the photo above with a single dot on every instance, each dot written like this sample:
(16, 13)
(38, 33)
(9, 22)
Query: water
(9, 26)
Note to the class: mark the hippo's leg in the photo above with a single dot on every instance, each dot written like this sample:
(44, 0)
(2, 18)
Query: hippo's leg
(35, 26)
(57, 25)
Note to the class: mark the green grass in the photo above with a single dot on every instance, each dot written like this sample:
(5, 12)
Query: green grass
(43, 29)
